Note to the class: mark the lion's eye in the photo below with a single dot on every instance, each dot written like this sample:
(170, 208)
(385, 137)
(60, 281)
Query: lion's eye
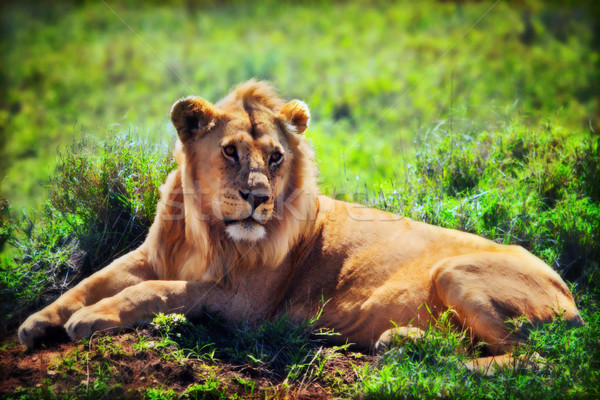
(276, 158)
(231, 152)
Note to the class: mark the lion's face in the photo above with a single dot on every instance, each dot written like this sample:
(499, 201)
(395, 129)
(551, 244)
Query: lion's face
(240, 160)
(252, 163)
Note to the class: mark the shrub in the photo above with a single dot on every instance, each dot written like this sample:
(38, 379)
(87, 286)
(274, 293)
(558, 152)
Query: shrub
(535, 188)
(110, 193)
(103, 200)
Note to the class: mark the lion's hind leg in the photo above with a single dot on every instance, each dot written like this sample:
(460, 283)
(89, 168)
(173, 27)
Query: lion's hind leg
(482, 365)
(489, 290)
(404, 332)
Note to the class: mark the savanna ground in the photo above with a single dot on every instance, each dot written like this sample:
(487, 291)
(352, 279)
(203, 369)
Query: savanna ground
(476, 116)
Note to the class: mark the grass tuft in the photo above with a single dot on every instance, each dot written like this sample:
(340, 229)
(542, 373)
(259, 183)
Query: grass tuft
(277, 349)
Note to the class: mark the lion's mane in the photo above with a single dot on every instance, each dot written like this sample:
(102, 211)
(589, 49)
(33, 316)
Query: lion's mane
(185, 245)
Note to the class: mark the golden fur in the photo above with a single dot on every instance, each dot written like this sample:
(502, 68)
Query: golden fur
(241, 230)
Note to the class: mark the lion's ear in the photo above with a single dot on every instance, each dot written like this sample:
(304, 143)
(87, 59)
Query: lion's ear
(193, 117)
(295, 116)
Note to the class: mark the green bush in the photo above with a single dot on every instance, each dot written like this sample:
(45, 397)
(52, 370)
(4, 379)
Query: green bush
(535, 188)
(110, 192)
(103, 200)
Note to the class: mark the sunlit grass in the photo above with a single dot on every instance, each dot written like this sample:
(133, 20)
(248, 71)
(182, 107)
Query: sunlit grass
(376, 76)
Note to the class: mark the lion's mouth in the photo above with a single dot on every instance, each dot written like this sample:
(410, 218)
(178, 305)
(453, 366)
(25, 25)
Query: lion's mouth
(248, 230)
(245, 221)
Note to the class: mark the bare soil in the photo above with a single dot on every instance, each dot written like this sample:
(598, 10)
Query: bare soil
(115, 367)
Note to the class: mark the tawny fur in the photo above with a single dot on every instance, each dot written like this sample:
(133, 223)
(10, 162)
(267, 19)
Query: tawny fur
(245, 162)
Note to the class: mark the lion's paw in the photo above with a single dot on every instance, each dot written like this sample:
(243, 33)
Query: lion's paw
(38, 327)
(398, 334)
(86, 321)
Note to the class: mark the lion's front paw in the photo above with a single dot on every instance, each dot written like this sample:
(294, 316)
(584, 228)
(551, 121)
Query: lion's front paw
(86, 321)
(41, 327)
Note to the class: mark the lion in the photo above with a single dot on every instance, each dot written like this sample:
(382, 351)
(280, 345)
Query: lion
(242, 230)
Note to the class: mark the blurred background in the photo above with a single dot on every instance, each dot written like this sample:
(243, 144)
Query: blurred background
(378, 76)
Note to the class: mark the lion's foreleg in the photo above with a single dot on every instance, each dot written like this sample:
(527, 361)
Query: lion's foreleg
(141, 302)
(126, 271)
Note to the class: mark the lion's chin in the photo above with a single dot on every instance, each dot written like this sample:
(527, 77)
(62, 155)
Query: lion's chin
(247, 230)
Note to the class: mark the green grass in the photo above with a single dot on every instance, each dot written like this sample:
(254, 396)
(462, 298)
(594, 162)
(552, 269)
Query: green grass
(375, 75)
(279, 349)
(433, 367)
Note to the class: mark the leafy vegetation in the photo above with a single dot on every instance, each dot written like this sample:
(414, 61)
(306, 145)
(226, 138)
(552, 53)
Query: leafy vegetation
(465, 115)
(535, 188)
(102, 201)
(558, 362)
(279, 349)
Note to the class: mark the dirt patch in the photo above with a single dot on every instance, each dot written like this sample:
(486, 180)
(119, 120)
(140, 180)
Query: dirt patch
(130, 365)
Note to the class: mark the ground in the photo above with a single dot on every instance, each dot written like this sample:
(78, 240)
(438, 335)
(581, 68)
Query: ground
(118, 367)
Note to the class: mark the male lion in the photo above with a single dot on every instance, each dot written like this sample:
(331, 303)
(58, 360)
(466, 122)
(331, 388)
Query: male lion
(241, 230)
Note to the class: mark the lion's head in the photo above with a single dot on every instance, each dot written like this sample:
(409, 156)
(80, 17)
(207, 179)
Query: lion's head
(241, 155)
(248, 173)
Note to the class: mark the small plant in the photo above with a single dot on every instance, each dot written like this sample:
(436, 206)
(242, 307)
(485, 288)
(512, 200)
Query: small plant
(142, 344)
(170, 323)
(248, 385)
(160, 394)
(211, 389)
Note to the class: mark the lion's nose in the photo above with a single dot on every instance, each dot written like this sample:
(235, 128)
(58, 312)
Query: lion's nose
(254, 200)
(258, 200)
